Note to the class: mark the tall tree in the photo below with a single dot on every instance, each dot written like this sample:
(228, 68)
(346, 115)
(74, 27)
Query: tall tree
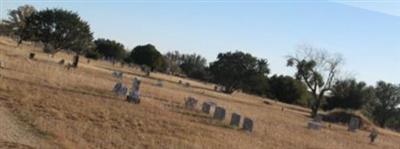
(110, 48)
(17, 21)
(147, 55)
(61, 29)
(288, 89)
(238, 70)
(317, 69)
(384, 105)
(348, 94)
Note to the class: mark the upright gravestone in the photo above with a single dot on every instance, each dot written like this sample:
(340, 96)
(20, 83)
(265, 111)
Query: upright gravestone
(134, 94)
(117, 87)
(235, 120)
(316, 123)
(219, 113)
(354, 124)
(190, 103)
(206, 107)
(118, 74)
(248, 124)
(31, 55)
(122, 91)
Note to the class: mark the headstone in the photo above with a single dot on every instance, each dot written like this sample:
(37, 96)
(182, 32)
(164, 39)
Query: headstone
(206, 107)
(373, 135)
(190, 103)
(122, 91)
(134, 94)
(118, 74)
(31, 55)
(180, 81)
(354, 124)
(314, 125)
(117, 87)
(248, 124)
(219, 113)
(235, 120)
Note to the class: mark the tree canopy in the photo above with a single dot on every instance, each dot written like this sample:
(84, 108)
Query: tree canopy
(238, 70)
(17, 21)
(110, 49)
(288, 90)
(348, 94)
(146, 55)
(62, 29)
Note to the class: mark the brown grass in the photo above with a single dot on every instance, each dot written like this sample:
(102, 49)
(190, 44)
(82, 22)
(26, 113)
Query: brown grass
(76, 109)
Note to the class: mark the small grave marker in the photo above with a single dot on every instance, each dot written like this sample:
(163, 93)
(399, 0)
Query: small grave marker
(235, 120)
(219, 113)
(354, 124)
(187, 84)
(134, 94)
(373, 135)
(248, 124)
(316, 123)
(206, 107)
(118, 74)
(190, 103)
(117, 87)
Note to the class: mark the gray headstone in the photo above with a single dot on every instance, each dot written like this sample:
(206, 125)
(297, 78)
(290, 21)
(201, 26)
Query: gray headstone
(190, 103)
(248, 124)
(219, 113)
(354, 124)
(206, 108)
(117, 87)
(314, 125)
(118, 74)
(135, 85)
(122, 91)
(134, 97)
(235, 120)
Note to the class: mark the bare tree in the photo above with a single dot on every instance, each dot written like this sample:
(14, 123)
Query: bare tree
(318, 69)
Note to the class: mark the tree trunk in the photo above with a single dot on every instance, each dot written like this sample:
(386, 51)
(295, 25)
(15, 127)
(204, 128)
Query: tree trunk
(76, 61)
(315, 106)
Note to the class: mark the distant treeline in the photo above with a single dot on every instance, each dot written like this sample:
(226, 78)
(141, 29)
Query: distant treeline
(316, 84)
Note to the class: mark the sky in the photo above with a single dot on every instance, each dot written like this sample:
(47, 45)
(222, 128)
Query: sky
(365, 32)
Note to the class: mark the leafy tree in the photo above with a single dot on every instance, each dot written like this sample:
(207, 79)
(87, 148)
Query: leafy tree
(288, 89)
(383, 107)
(61, 29)
(17, 21)
(193, 65)
(318, 70)
(110, 49)
(147, 55)
(238, 70)
(348, 94)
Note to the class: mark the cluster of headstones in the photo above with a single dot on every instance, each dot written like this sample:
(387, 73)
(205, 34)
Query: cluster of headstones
(220, 112)
(316, 123)
(122, 90)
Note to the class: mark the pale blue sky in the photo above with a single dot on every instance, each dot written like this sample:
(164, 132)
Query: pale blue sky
(366, 33)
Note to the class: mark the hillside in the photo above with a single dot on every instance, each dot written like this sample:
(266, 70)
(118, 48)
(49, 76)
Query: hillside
(45, 105)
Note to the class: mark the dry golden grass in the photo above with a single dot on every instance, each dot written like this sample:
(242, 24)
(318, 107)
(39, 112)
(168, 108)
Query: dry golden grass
(60, 108)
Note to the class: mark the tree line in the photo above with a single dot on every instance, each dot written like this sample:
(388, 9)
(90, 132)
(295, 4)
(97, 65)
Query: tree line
(316, 83)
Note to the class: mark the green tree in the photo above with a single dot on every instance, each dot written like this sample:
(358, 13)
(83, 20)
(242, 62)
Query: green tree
(318, 70)
(384, 106)
(17, 21)
(147, 55)
(110, 49)
(348, 94)
(288, 90)
(60, 29)
(238, 70)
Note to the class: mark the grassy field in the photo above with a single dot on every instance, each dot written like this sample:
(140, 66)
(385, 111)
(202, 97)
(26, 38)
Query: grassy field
(44, 105)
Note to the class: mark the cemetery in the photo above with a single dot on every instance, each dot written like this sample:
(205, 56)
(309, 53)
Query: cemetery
(98, 105)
